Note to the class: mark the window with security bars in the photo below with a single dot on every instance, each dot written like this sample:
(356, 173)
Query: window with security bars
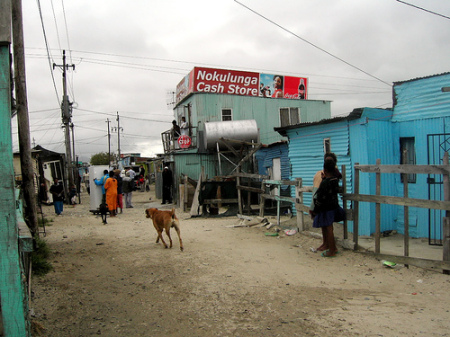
(408, 155)
(227, 115)
(289, 116)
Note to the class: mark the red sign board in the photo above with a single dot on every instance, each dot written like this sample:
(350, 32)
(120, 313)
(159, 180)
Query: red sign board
(244, 83)
(184, 141)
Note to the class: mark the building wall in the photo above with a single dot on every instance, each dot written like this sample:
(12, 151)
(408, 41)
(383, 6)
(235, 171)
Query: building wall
(421, 98)
(208, 108)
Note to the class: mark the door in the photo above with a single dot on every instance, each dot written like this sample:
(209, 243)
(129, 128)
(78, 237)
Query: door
(437, 145)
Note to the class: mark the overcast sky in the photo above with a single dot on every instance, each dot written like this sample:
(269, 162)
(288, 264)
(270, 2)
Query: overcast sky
(129, 55)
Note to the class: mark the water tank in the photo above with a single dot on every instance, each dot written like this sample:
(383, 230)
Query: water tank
(244, 130)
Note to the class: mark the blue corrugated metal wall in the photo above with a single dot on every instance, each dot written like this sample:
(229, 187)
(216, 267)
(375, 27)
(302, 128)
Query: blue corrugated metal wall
(422, 98)
(265, 158)
(306, 152)
(360, 141)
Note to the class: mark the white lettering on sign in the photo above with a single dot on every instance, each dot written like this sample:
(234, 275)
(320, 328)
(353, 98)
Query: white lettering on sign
(216, 88)
(236, 89)
(228, 77)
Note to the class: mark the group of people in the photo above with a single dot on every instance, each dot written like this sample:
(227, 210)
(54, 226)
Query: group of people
(324, 210)
(179, 130)
(117, 189)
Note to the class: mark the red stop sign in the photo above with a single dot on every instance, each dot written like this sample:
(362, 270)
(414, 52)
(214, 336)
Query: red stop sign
(184, 141)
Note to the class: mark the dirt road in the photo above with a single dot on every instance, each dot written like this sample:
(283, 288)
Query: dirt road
(114, 280)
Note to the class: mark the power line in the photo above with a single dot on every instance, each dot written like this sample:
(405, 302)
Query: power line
(312, 44)
(423, 9)
(48, 50)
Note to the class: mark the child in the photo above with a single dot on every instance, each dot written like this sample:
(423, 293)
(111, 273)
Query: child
(73, 195)
(327, 209)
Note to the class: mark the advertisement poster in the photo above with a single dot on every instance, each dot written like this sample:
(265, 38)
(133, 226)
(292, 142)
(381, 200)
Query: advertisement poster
(245, 83)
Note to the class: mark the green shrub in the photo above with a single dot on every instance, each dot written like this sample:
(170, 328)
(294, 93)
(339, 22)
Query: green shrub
(39, 257)
(44, 221)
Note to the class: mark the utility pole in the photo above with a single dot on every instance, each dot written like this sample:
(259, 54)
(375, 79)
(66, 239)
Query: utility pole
(22, 118)
(66, 118)
(118, 129)
(109, 143)
(75, 167)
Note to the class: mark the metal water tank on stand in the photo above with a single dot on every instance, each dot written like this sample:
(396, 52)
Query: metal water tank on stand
(243, 130)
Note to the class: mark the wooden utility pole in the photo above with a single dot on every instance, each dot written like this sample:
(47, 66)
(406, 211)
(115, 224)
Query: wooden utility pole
(109, 142)
(118, 129)
(22, 119)
(66, 119)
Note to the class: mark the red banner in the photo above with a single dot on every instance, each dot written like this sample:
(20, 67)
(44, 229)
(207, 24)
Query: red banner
(245, 83)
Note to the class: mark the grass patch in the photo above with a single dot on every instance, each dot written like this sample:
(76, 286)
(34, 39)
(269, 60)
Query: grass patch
(44, 222)
(39, 258)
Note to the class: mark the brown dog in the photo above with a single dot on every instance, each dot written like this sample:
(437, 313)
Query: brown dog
(164, 220)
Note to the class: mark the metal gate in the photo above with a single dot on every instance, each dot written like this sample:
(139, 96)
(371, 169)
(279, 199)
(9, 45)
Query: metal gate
(437, 145)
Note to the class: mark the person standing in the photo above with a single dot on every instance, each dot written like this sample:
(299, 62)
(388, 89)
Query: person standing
(318, 178)
(167, 182)
(119, 190)
(57, 191)
(86, 180)
(176, 133)
(111, 193)
(127, 188)
(101, 182)
(184, 127)
(327, 209)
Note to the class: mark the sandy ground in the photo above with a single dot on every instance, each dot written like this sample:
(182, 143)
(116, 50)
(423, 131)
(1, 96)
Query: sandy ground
(114, 280)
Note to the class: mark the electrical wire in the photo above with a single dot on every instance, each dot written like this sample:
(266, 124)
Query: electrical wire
(312, 44)
(423, 9)
(47, 49)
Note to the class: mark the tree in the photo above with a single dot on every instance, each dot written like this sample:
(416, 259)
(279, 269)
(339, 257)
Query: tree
(101, 158)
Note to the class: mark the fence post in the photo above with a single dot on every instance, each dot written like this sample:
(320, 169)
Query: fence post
(406, 208)
(262, 199)
(356, 209)
(344, 202)
(446, 222)
(299, 201)
(378, 211)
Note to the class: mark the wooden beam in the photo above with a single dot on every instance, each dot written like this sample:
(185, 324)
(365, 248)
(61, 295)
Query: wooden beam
(383, 199)
(250, 189)
(407, 168)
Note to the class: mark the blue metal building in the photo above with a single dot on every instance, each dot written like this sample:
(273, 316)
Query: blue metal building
(418, 122)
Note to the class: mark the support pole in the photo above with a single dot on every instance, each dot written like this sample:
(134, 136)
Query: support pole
(26, 162)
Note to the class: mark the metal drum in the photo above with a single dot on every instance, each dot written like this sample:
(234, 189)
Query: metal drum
(244, 130)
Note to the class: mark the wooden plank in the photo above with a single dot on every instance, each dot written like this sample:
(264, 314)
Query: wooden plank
(378, 211)
(195, 203)
(344, 190)
(218, 201)
(14, 302)
(446, 220)
(5, 22)
(382, 199)
(281, 182)
(300, 219)
(279, 198)
(356, 209)
(250, 175)
(413, 261)
(408, 169)
(406, 208)
(250, 189)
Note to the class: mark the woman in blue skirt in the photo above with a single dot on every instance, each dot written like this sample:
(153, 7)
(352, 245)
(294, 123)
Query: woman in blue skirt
(327, 209)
